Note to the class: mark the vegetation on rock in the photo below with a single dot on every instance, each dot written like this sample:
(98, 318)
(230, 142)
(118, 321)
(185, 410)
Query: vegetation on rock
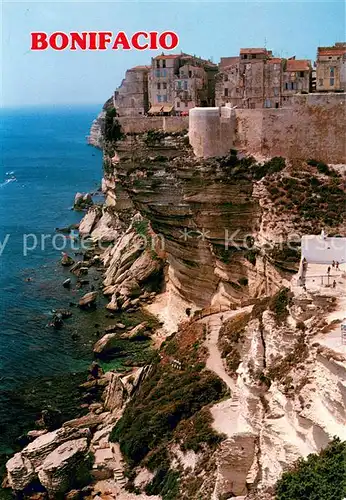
(319, 477)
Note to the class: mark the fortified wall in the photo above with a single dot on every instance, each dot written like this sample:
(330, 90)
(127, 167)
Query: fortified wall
(314, 126)
(141, 124)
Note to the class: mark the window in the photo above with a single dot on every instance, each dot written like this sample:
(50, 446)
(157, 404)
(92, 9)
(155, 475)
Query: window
(267, 103)
(225, 78)
(158, 86)
(226, 92)
(164, 98)
(331, 82)
(186, 105)
(158, 98)
(286, 86)
(276, 91)
(164, 86)
(320, 82)
(158, 63)
(163, 63)
(179, 84)
(331, 72)
(178, 104)
(190, 74)
(301, 74)
(157, 73)
(185, 85)
(164, 72)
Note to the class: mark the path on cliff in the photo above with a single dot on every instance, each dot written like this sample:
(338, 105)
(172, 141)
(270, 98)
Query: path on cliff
(215, 362)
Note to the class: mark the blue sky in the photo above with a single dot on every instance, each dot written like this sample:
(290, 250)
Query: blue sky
(207, 29)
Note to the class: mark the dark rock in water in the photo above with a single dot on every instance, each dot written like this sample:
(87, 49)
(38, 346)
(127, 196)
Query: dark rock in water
(67, 229)
(66, 260)
(67, 283)
(82, 201)
(74, 336)
(63, 313)
(57, 321)
(95, 370)
(51, 419)
(76, 266)
(72, 304)
(88, 300)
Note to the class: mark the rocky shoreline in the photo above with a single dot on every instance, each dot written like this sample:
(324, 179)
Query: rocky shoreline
(79, 449)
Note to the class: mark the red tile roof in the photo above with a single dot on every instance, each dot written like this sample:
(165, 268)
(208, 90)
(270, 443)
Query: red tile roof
(298, 65)
(140, 68)
(253, 51)
(331, 51)
(168, 56)
(274, 60)
(228, 61)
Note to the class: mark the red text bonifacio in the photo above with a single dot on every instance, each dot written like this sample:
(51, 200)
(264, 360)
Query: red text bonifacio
(102, 40)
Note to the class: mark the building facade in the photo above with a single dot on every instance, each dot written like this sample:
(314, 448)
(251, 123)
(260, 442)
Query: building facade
(256, 79)
(132, 97)
(180, 82)
(331, 68)
(296, 78)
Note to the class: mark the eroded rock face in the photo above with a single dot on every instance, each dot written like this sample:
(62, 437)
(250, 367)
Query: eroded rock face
(204, 220)
(22, 469)
(129, 264)
(64, 467)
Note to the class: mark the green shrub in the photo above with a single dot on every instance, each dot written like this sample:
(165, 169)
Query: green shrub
(165, 399)
(278, 304)
(164, 483)
(113, 130)
(319, 477)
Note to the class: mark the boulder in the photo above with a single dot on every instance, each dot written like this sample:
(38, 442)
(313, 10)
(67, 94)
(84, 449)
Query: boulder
(114, 394)
(113, 304)
(51, 419)
(67, 283)
(42, 446)
(20, 472)
(138, 332)
(66, 260)
(95, 370)
(105, 344)
(82, 201)
(88, 222)
(90, 420)
(88, 300)
(65, 467)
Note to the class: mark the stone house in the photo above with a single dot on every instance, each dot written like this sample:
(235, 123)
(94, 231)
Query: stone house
(131, 98)
(256, 79)
(227, 83)
(296, 78)
(331, 68)
(180, 82)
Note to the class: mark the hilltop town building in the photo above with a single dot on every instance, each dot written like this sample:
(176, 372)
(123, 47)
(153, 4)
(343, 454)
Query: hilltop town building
(180, 82)
(331, 68)
(132, 98)
(296, 77)
(256, 79)
(176, 83)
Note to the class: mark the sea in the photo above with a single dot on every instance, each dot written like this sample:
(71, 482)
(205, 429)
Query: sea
(45, 160)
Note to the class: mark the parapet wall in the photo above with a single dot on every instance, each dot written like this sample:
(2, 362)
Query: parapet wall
(314, 127)
(141, 124)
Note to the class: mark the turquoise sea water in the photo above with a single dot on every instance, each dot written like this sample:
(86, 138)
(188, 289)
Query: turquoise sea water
(45, 161)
